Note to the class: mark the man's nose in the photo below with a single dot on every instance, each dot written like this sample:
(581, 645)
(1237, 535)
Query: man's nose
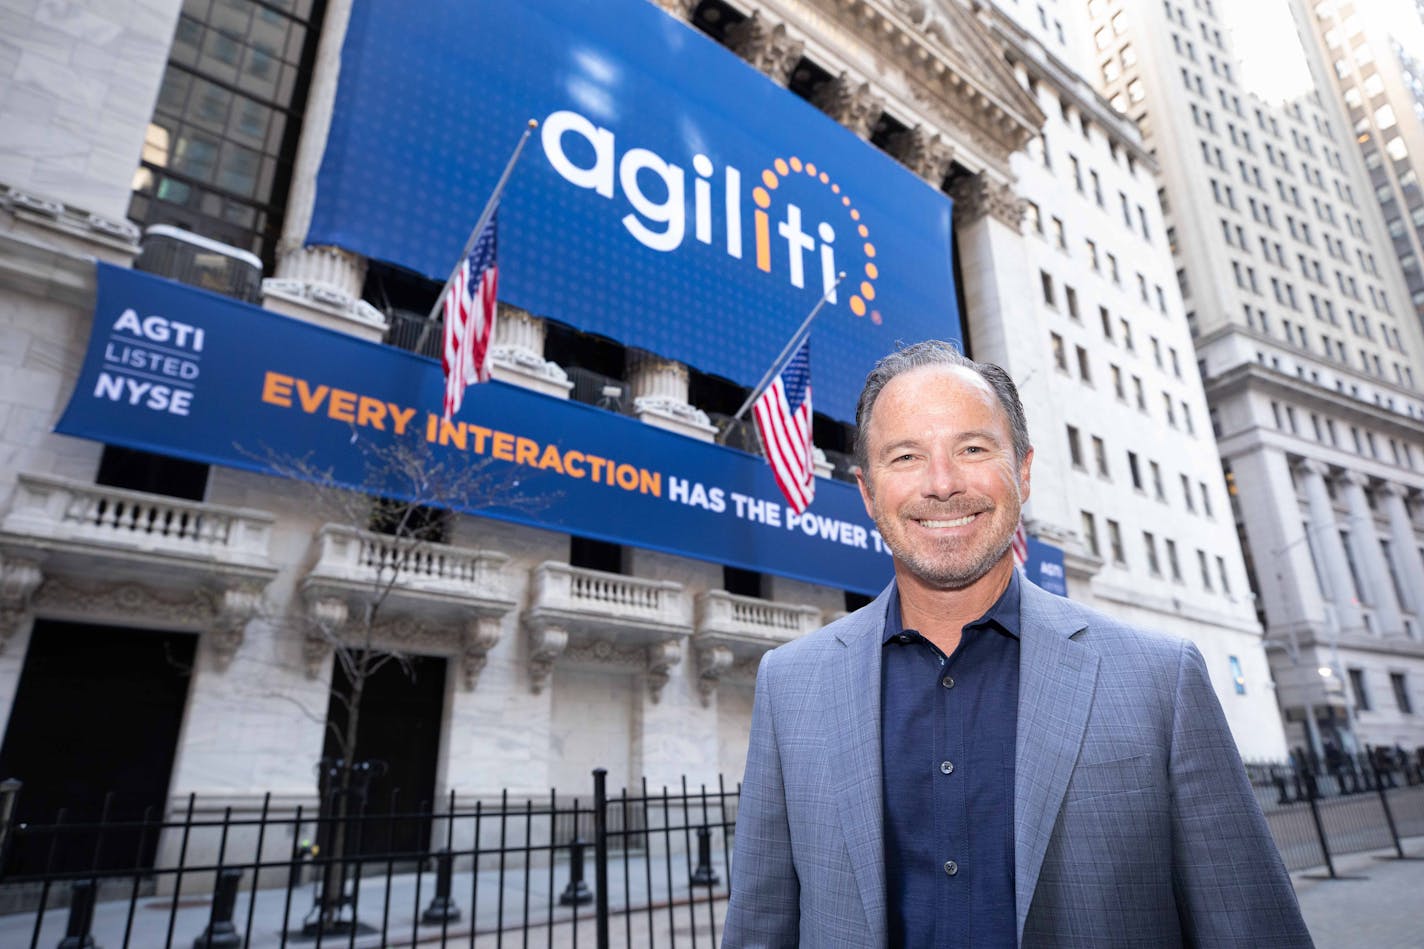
(944, 477)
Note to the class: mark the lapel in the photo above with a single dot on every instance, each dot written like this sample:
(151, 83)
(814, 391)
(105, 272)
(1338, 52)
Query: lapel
(1056, 681)
(854, 746)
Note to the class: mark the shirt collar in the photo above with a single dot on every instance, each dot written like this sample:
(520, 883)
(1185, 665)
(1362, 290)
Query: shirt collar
(1002, 615)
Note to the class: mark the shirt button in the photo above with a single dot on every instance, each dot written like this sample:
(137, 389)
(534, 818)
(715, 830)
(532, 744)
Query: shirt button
(947, 682)
(947, 767)
(950, 867)
(904, 637)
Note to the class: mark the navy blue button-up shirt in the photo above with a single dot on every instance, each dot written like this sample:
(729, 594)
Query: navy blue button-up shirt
(947, 756)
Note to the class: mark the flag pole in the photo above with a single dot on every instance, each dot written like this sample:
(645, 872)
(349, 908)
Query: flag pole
(786, 351)
(485, 215)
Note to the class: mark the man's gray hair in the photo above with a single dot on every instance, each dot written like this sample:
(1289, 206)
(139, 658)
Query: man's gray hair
(934, 352)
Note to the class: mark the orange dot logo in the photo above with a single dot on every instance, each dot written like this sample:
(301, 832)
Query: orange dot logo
(771, 179)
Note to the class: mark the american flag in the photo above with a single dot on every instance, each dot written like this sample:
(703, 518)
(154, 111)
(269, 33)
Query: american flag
(469, 308)
(1020, 545)
(783, 419)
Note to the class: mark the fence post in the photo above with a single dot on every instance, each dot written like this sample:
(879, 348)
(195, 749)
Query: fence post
(600, 854)
(703, 875)
(9, 791)
(221, 933)
(442, 908)
(577, 892)
(1388, 814)
(1313, 796)
(81, 916)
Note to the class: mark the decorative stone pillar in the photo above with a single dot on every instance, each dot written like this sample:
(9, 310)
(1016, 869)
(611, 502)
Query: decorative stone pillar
(1405, 548)
(682, 9)
(327, 616)
(320, 284)
(712, 661)
(766, 47)
(661, 659)
(854, 105)
(1370, 557)
(980, 196)
(924, 153)
(323, 285)
(517, 356)
(660, 396)
(235, 609)
(1325, 535)
(19, 579)
(479, 636)
(546, 644)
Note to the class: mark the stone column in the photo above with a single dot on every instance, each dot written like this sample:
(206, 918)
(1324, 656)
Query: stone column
(1405, 548)
(518, 354)
(1325, 536)
(1292, 596)
(924, 153)
(1370, 557)
(853, 104)
(766, 47)
(660, 396)
(681, 9)
(320, 284)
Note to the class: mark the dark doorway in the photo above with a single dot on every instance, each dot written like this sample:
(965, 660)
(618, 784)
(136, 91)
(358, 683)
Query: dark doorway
(401, 709)
(94, 727)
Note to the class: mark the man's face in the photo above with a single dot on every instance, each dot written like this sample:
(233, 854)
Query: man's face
(941, 482)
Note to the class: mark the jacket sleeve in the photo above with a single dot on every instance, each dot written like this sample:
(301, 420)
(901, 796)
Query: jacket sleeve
(1230, 885)
(764, 907)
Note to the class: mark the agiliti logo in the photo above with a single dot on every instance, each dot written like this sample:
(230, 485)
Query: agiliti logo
(662, 225)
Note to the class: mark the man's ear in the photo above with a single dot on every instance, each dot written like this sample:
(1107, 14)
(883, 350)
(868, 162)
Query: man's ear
(1024, 476)
(867, 496)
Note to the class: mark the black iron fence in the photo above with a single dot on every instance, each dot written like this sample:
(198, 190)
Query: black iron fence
(643, 867)
(1319, 811)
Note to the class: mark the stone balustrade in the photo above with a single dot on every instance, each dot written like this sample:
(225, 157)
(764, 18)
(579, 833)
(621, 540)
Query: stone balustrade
(74, 548)
(426, 595)
(733, 632)
(73, 515)
(605, 617)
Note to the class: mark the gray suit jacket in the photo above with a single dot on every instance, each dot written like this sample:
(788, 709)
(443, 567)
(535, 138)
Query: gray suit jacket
(1134, 824)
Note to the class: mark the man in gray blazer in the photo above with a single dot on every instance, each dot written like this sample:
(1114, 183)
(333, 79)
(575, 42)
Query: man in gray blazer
(970, 760)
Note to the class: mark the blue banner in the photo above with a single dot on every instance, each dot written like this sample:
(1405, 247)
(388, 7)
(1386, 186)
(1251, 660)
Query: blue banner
(673, 198)
(181, 371)
(1045, 566)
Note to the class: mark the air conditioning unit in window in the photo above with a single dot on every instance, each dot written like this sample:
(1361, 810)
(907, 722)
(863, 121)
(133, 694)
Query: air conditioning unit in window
(192, 259)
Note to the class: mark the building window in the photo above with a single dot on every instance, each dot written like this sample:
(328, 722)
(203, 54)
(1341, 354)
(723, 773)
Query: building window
(1401, 692)
(1202, 567)
(1090, 533)
(1173, 564)
(1100, 457)
(1060, 352)
(1075, 447)
(219, 149)
(1157, 489)
(1221, 573)
(1047, 281)
(1357, 687)
(1115, 542)
(1149, 543)
(1085, 371)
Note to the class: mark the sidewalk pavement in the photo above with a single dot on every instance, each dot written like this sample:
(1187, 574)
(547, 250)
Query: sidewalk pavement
(1376, 903)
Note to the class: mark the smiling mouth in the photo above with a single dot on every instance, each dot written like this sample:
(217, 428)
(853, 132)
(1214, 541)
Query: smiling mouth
(957, 522)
